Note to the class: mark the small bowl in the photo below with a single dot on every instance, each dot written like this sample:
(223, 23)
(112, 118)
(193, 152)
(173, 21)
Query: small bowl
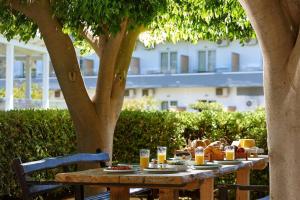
(182, 155)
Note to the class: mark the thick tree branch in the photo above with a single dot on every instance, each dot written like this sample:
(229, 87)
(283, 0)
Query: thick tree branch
(293, 67)
(292, 8)
(271, 26)
(121, 69)
(291, 23)
(63, 57)
(96, 42)
(106, 75)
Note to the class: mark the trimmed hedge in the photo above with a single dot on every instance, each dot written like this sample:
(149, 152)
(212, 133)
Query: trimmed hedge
(35, 134)
(32, 135)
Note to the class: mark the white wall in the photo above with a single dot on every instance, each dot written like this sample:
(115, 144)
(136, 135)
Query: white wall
(250, 55)
(187, 96)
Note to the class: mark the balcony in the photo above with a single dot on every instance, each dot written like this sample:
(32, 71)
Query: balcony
(204, 79)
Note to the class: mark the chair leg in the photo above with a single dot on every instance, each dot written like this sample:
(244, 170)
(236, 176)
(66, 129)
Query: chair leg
(79, 192)
(223, 193)
(150, 195)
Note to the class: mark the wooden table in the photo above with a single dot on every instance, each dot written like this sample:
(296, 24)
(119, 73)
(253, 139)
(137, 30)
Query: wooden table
(168, 184)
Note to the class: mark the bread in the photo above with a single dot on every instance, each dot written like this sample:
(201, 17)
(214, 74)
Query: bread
(206, 141)
(213, 153)
(215, 144)
(198, 143)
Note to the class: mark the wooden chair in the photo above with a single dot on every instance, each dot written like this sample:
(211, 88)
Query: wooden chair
(32, 188)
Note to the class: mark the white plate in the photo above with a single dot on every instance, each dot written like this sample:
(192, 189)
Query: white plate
(228, 162)
(119, 171)
(160, 170)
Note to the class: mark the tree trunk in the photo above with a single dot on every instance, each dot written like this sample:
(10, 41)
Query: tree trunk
(276, 25)
(95, 135)
(283, 114)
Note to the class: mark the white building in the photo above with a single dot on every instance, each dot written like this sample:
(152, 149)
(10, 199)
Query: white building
(180, 74)
(18, 64)
(177, 75)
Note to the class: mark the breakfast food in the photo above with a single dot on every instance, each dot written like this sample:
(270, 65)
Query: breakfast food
(215, 144)
(206, 141)
(198, 143)
(192, 145)
(241, 153)
(247, 143)
(212, 152)
(182, 155)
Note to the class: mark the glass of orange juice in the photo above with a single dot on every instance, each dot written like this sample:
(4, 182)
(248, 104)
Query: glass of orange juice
(230, 153)
(161, 154)
(199, 156)
(144, 158)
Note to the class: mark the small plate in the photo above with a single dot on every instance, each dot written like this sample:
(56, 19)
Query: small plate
(160, 170)
(228, 162)
(119, 171)
(207, 167)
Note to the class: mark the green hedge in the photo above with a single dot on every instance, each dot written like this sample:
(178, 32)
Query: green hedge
(33, 135)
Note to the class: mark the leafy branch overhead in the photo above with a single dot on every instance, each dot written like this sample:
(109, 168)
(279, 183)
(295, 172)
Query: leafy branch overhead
(173, 20)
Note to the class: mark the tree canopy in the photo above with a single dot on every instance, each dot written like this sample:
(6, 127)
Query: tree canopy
(111, 28)
(165, 20)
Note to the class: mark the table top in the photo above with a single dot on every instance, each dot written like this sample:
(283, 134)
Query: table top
(141, 179)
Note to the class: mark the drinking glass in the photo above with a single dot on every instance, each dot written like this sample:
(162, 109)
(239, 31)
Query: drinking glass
(161, 154)
(144, 158)
(230, 153)
(199, 156)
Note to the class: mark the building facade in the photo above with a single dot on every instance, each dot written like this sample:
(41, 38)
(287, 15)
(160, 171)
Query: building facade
(176, 75)
(180, 74)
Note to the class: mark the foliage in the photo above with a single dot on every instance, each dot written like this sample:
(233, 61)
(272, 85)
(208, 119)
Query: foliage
(172, 20)
(201, 106)
(144, 103)
(35, 134)
(194, 20)
(32, 135)
(19, 92)
(147, 129)
(99, 16)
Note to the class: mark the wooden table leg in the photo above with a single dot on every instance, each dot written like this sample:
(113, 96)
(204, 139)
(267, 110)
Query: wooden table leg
(168, 194)
(207, 189)
(243, 178)
(119, 193)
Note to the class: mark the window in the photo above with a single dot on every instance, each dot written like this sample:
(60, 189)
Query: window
(134, 66)
(57, 93)
(250, 91)
(206, 61)
(168, 62)
(164, 62)
(145, 92)
(202, 61)
(164, 105)
(219, 91)
(173, 103)
(173, 62)
(87, 67)
(126, 93)
(211, 61)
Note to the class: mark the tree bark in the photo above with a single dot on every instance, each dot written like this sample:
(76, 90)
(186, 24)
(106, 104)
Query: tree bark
(275, 29)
